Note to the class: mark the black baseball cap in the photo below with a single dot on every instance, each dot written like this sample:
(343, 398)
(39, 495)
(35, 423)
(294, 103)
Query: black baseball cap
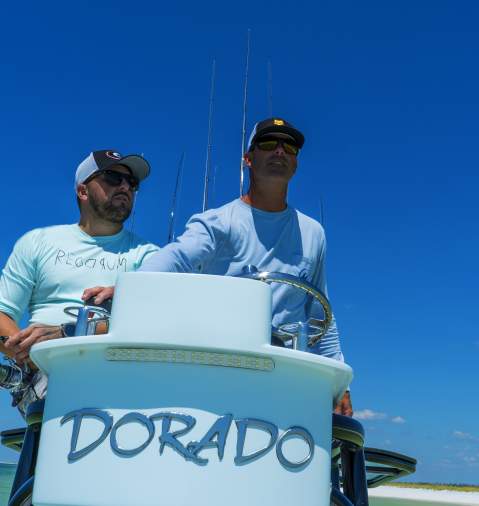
(276, 127)
(104, 159)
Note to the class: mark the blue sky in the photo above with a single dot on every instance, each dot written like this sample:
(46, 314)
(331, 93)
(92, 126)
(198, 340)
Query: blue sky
(386, 94)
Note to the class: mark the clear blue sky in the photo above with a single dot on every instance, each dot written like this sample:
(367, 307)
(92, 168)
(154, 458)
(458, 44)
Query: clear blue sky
(387, 96)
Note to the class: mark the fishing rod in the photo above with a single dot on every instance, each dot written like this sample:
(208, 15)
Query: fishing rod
(179, 174)
(270, 88)
(321, 212)
(214, 184)
(245, 101)
(208, 146)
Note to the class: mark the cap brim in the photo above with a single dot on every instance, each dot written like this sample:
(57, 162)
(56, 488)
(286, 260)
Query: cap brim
(279, 135)
(139, 167)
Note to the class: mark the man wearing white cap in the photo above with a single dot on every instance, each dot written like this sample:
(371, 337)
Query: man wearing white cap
(50, 267)
(259, 229)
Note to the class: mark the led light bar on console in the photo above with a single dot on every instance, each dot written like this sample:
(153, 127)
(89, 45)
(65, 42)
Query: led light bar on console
(185, 356)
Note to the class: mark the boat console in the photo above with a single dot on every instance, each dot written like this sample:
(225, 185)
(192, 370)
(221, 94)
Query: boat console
(186, 401)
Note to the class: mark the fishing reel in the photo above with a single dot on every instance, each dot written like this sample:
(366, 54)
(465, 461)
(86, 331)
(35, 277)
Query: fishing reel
(13, 377)
(303, 334)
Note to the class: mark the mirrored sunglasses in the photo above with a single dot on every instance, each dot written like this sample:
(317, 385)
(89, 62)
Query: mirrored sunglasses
(272, 144)
(114, 178)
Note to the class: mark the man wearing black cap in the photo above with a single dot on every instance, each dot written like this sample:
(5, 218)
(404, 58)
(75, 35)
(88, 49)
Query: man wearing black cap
(50, 267)
(258, 229)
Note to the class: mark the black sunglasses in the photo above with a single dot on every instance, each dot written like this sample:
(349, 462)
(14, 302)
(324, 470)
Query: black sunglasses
(272, 144)
(114, 178)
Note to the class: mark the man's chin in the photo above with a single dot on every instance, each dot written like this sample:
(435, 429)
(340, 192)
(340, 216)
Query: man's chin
(119, 219)
(280, 172)
(278, 168)
(118, 213)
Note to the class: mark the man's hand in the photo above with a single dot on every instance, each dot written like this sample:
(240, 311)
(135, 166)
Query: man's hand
(100, 293)
(21, 342)
(344, 406)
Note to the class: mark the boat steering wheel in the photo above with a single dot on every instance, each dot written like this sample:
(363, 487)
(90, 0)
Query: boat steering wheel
(313, 329)
(87, 316)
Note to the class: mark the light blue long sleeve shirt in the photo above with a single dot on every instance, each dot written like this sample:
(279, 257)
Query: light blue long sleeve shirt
(50, 267)
(222, 241)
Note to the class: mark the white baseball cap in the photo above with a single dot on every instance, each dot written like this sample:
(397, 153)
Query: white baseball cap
(102, 160)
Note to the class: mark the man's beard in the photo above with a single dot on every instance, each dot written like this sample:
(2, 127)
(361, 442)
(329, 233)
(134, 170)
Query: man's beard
(114, 210)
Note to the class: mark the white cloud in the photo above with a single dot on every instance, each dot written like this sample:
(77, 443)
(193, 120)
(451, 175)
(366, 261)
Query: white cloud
(369, 414)
(464, 436)
(471, 461)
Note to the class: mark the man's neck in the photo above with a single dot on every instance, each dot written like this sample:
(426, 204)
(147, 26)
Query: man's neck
(97, 227)
(266, 199)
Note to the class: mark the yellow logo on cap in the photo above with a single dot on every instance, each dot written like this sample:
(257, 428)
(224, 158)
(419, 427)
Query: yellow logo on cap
(278, 122)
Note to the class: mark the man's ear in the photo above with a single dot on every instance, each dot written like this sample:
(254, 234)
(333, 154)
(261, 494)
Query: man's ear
(82, 192)
(247, 157)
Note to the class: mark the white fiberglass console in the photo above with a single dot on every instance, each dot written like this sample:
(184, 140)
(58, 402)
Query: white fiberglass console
(185, 402)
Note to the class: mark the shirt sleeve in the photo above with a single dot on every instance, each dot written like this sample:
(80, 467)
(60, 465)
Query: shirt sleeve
(329, 345)
(19, 277)
(192, 250)
(145, 252)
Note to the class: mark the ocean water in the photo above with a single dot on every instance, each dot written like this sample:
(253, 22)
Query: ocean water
(7, 472)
